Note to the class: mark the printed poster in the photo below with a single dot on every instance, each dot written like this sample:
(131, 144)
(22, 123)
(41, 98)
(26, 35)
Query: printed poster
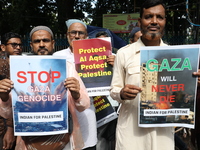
(120, 23)
(169, 88)
(104, 110)
(90, 61)
(39, 99)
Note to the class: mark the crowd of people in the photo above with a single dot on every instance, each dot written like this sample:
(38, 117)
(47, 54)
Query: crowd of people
(124, 89)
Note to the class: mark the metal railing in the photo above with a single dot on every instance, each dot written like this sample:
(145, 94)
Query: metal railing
(170, 38)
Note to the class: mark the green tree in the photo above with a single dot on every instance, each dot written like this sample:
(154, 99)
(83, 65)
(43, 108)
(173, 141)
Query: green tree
(71, 9)
(177, 16)
(21, 15)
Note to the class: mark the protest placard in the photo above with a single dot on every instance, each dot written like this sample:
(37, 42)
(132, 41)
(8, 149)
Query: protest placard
(90, 62)
(104, 110)
(169, 88)
(39, 98)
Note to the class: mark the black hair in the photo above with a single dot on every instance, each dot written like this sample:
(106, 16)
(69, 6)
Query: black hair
(7, 36)
(151, 3)
(100, 33)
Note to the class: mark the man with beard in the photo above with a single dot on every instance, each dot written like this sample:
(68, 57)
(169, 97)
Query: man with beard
(42, 43)
(125, 85)
(77, 30)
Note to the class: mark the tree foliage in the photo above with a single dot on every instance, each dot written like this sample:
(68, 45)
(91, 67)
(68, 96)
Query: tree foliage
(177, 17)
(21, 15)
(109, 7)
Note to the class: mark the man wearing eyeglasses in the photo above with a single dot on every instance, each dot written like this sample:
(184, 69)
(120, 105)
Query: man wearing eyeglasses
(11, 45)
(77, 30)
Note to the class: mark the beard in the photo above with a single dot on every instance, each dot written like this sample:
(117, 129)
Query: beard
(152, 36)
(43, 51)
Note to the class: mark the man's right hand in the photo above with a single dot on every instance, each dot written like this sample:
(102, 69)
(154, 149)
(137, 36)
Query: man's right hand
(129, 92)
(5, 86)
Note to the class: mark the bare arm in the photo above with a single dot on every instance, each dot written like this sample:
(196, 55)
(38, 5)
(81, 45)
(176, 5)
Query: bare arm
(9, 138)
(5, 86)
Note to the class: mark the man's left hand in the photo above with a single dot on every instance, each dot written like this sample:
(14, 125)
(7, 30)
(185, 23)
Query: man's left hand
(74, 87)
(111, 59)
(198, 75)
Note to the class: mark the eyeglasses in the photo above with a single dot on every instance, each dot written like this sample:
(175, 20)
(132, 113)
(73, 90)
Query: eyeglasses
(74, 33)
(39, 40)
(15, 45)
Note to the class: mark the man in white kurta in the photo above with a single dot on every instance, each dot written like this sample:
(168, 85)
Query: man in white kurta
(77, 30)
(129, 135)
(125, 85)
(86, 118)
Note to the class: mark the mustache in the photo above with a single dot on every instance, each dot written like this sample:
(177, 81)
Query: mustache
(16, 50)
(152, 26)
(42, 49)
(76, 39)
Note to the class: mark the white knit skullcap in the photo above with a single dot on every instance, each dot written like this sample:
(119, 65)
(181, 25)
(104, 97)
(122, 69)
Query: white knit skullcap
(41, 28)
(71, 21)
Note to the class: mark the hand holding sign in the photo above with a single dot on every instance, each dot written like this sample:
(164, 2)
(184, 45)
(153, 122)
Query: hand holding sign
(74, 87)
(129, 92)
(198, 75)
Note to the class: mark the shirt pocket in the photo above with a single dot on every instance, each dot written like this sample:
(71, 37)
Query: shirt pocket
(133, 75)
(133, 70)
